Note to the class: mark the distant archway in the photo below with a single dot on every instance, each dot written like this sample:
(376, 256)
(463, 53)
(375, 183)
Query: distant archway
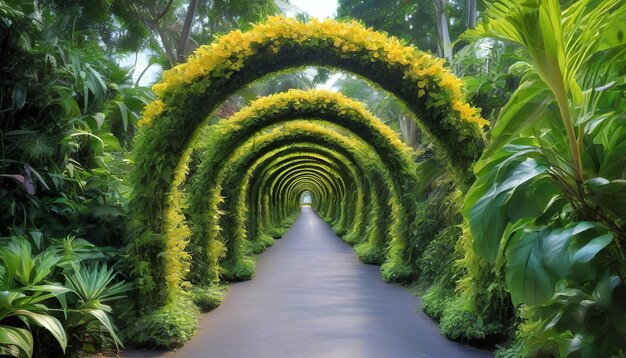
(306, 198)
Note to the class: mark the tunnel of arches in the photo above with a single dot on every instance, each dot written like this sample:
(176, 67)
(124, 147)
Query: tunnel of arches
(282, 134)
(257, 167)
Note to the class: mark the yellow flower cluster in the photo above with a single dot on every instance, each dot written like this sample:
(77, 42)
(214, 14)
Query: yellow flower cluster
(319, 98)
(177, 233)
(152, 110)
(230, 52)
(469, 114)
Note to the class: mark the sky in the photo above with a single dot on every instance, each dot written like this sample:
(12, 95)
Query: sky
(317, 8)
(320, 9)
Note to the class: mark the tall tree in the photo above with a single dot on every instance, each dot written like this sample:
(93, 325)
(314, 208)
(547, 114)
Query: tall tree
(444, 45)
(413, 21)
(471, 14)
(430, 25)
(181, 26)
(172, 28)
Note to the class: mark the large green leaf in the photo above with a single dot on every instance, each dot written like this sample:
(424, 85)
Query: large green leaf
(105, 321)
(496, 168)
(48, 322)
(556, 247)
(532, 199)
(526, 277)
(609, 194)
(7, 298)
(603, 291)
(22, 266)
(537, 258)
(614, 164)
(488, 217)
(590, 249)
(18, 337)
(95, 284)
(526, 107)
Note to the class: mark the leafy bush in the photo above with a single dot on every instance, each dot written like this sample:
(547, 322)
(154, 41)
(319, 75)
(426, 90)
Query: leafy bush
(437, 262)
(238, 269)
(369, 254)
(547, 204)
(76, 314)
(594, 308)
(62, 167)
(168, 327)
(68, 113)
(452, 276)
(514, 350)
(460, 324)
(208, 298)
(262, 242)
(396, 270)
(24, 294)
(93, 286)
(435, 301)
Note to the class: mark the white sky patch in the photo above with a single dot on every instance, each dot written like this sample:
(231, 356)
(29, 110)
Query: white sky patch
(320, 9)
(328, 85)
(142, 62)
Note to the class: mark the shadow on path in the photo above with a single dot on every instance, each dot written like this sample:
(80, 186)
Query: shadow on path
(311, 297)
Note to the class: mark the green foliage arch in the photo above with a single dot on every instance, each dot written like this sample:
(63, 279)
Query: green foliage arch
(282, 135)
(191, 91)
(294, 104)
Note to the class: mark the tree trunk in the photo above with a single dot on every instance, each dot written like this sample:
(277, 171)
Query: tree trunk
(443, 34)
(471, 14)
(409, 131)
(181, 49)
(167, 45)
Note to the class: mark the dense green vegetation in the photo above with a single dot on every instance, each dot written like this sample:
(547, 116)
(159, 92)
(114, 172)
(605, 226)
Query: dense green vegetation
(126, 210)
(67, 115)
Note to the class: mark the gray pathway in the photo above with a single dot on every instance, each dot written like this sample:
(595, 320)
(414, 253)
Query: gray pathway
(311, 297)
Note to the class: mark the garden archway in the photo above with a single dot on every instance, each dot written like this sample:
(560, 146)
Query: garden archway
(239, 161)
(191, 91)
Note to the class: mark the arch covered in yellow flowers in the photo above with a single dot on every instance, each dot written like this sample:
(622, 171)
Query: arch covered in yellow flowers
(417, 78)
(191, 91)
(263, 172)
(250, 125)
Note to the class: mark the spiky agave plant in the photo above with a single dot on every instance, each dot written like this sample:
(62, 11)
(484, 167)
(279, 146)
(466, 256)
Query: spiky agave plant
(94, 287)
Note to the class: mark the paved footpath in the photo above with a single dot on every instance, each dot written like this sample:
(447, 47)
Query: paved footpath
(311, 297)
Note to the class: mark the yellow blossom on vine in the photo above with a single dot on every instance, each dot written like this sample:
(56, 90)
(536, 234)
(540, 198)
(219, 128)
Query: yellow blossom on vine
(230, 53)
(152, 109)
(469, 114)
(159, 88)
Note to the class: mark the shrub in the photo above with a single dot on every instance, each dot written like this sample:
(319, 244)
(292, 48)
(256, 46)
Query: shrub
(168, 327)
(369, 254)
(262, 242)
(437, 261)
(435, 301)
(236, 270)
(396, 270)
(208, 298)
(460, 324)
